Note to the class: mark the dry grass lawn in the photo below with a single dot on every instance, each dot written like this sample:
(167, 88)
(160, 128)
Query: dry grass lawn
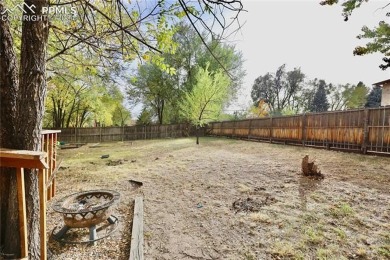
(189, 193)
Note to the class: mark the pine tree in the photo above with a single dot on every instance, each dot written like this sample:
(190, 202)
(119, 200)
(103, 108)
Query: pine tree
(374, 97)
(320, 102)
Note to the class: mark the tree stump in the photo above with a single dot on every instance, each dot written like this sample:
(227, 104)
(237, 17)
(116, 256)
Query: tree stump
(309, 168)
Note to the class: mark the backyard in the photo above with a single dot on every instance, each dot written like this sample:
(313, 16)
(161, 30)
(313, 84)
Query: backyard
(232, 199)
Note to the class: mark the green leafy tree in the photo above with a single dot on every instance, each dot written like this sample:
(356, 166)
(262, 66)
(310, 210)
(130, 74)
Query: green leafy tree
(338, 96)
(358, 96)
(278, 90)
(121, 116)
(145, 117)
(288, 111)
(378, 37)
(230, 57)
(374, 97)
(80, 100)
(154, 88)
(159, 90)
(305, 99)
(347, 96)
(192, 54)
(63, 105)
(206, 100)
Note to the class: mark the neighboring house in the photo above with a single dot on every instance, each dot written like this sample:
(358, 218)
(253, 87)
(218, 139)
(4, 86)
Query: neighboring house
(385, 85)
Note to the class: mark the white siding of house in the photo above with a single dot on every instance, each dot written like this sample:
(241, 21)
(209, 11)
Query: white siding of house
(385, 95)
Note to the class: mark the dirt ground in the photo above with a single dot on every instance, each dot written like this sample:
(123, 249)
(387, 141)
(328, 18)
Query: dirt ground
(231, 199)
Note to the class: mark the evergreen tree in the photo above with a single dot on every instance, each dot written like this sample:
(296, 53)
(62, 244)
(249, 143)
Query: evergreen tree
(374, 97)
(319, 102)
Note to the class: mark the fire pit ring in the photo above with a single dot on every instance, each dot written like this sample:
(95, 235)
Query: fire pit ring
(86, 210)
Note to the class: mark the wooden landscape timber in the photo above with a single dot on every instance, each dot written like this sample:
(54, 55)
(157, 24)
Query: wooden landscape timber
(361, 130)
(137, 234)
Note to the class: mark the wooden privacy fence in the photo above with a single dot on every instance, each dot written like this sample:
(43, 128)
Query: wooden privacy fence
(125, 133)
(365, 130)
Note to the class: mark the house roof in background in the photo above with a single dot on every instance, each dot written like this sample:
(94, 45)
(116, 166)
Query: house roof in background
(380, 84)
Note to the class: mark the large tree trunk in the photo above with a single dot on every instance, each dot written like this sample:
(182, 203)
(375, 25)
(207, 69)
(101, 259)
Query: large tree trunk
(22, 109)
(9, 239)
(32, 92)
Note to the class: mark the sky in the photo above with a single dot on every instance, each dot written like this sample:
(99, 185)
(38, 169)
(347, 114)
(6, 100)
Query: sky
(309, 36)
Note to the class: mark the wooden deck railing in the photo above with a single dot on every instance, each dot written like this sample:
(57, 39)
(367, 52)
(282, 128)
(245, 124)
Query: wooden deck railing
(45, 162)
(20, 160)
(49, 144)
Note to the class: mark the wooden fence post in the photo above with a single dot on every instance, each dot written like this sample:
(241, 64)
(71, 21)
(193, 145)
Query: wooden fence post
(327, 130)
(271, 130)
(100, 134)
(303, 130)
(365, 130)
(250, 128)
(234, 128)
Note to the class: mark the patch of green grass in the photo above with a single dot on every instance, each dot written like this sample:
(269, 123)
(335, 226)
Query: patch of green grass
(340, 234)
(313, 236)
(330, 252)
(310, 218)
(284, 249)
(384, 251)
(386, 238)
(341, 210)
(324, 253)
